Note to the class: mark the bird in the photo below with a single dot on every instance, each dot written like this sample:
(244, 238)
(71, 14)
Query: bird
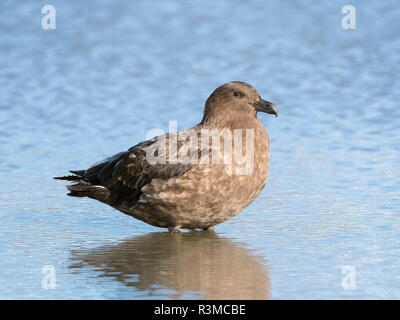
(190, 179)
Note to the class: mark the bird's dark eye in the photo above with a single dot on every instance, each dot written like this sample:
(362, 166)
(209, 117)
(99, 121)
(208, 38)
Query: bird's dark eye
(238, 94)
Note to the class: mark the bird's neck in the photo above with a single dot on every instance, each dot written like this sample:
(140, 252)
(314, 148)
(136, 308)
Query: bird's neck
(247, 121)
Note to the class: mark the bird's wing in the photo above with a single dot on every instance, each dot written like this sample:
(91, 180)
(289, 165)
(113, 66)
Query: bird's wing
(127, 172)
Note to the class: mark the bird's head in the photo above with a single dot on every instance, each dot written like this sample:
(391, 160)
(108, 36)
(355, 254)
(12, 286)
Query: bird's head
(234, 99)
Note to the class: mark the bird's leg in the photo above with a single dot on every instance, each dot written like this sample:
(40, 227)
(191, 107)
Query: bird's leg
(209, 229)
(175, 229)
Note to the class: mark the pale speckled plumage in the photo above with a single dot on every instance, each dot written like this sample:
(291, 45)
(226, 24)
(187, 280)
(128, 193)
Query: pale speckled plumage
(186, 195)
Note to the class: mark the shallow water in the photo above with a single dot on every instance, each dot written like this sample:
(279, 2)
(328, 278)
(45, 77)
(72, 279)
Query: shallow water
(110, 72)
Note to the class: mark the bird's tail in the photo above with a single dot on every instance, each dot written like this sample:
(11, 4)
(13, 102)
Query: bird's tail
(83, 188)
(69, 178)
(86, 189)
(76, 176)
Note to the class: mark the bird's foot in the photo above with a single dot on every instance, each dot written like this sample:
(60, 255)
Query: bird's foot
(175, 230)
(209, 229)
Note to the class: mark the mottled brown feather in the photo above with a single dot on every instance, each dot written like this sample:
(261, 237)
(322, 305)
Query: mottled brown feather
(185, 195)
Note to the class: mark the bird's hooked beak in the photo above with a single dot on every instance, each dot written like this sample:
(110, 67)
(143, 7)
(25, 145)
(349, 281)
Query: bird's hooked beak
(265, 106)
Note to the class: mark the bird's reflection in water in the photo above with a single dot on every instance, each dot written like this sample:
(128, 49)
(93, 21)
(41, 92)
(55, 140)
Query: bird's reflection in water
(200, 264)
